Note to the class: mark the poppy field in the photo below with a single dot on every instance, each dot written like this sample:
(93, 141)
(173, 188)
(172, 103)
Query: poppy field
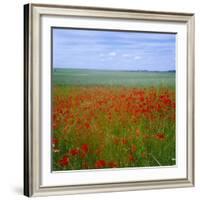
(112, 119)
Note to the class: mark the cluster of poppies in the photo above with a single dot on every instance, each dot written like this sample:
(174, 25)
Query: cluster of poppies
(106, 127)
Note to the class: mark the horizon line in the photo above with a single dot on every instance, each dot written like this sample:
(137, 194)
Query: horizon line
(122, 70)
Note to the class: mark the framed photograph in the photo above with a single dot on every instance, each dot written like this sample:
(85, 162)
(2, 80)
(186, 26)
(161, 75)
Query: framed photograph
(108, 100)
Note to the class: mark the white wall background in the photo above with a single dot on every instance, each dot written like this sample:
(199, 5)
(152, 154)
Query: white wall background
(11, 97)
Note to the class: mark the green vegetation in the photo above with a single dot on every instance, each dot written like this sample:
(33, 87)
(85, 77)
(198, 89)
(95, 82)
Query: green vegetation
(113, 119)
(121, 78)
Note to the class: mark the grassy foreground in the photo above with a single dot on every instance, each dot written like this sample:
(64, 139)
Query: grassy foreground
(120, 121)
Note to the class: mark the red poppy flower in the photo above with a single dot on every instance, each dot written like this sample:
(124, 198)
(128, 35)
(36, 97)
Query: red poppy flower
(85, 148)
(134, 148)
(55, 141)
(137, 132)
(87, 125)
(131, 158)
(74, 152)
(64, 161)
(124, 141)
(112, 164)
(160, 136)
(100, 164)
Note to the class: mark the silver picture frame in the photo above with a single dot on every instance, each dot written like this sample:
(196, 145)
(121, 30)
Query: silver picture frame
(32, 97)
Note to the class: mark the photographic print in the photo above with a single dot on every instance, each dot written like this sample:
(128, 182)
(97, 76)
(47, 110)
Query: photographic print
(113, 99)
(108, 99)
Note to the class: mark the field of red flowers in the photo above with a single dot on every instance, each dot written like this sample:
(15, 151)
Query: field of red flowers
(112, 127)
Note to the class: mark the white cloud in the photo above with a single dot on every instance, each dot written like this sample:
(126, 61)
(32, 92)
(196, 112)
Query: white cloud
(137, 57)
(112, 53)
(126, 55)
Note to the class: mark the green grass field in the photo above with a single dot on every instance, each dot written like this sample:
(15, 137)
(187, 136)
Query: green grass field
(113, 119)
(112, 78)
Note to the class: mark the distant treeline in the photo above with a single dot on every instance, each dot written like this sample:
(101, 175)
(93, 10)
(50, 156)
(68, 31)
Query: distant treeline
(109, 70)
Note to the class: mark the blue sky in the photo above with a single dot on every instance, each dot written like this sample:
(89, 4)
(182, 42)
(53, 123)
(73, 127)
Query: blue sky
(113, 50)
